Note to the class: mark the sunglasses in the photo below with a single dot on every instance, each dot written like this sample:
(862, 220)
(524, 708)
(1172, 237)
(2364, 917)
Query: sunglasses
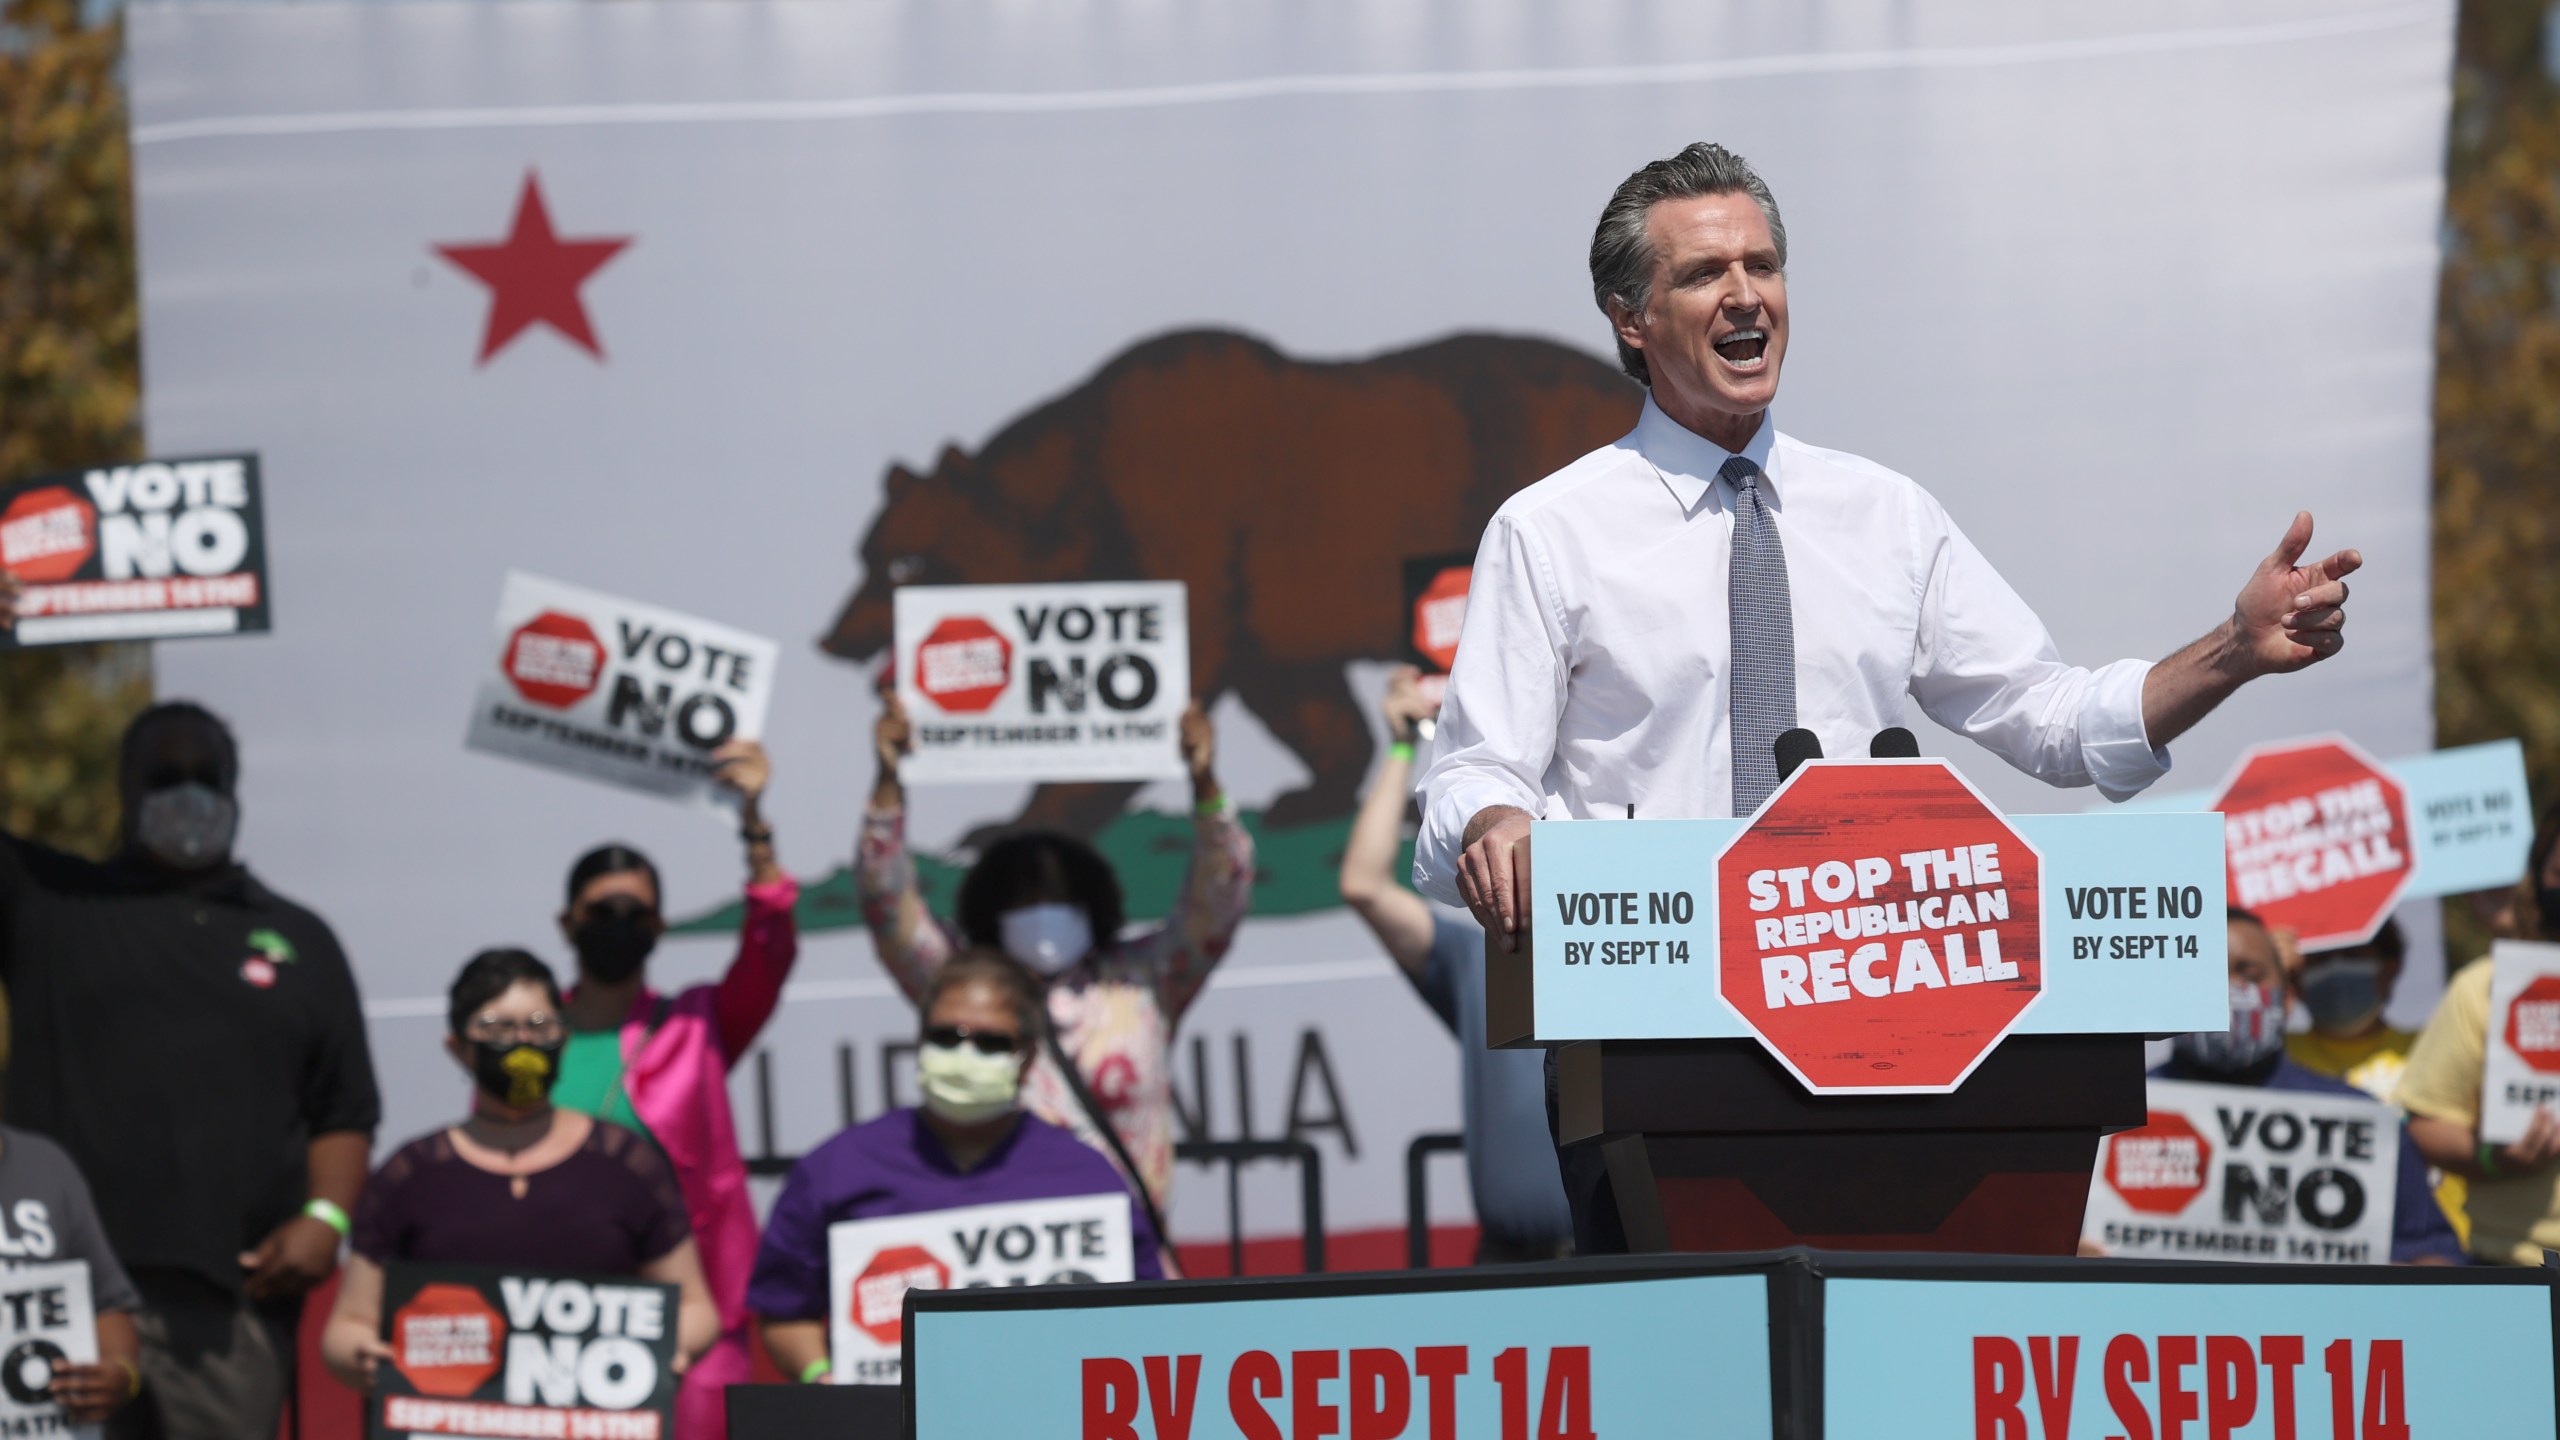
(985, 1042)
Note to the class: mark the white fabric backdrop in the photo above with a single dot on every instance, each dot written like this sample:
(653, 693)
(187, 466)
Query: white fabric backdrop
(2124, 284)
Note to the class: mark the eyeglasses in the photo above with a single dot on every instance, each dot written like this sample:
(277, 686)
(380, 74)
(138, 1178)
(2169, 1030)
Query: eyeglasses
(533, 1030)
(985, 1042)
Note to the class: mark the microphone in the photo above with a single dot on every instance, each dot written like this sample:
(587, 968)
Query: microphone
(1793, 749)
(1894, 743)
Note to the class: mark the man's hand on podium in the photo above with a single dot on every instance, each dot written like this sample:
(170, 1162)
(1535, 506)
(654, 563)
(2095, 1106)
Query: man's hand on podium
(1493, 874)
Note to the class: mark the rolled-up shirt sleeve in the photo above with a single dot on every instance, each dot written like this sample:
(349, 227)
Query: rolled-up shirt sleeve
(1506, 693)
(1985, 666)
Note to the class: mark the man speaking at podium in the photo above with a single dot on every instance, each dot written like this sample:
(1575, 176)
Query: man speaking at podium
(1645, 623)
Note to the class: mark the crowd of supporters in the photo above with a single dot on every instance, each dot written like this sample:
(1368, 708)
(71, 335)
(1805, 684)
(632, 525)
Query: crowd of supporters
(192, 1111)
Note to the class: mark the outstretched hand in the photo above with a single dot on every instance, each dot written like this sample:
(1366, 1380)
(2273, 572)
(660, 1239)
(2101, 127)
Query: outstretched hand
(2292, 615)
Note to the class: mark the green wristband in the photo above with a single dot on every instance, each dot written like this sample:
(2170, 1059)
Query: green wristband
(1401, 750)
(2488, 1158)
(816, 1370)
(328, 1213)
(1219, 806)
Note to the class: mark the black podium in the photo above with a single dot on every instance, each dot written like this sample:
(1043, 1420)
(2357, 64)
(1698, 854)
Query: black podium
(1711, 1146)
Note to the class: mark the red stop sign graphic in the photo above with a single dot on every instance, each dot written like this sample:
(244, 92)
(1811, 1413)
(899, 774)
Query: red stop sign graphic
(1438, 614)
(554, 659)
(47, 534)
(2316, 838)
(964, 665)
(1879, 926)
(448, 1340)
(880, 1292)
(2159, 1169)
(2533, 1025)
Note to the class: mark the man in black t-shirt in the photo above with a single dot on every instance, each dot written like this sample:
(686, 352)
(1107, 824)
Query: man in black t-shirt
(195, 1042)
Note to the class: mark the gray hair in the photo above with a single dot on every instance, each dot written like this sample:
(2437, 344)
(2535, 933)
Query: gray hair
(1622, 253)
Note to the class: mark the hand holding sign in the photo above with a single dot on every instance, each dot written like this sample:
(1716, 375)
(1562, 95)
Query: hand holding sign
(743, 766)
(1200, 752)
(2289, 615)
(9, 589)
(1407, 705)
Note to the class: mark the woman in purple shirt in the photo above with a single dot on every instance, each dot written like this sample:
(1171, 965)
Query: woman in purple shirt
(519, 1185)
(969, 1144)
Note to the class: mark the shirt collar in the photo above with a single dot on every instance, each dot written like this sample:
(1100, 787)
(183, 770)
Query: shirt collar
(1689, 462)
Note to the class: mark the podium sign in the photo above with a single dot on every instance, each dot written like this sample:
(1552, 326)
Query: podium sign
(1878, 927)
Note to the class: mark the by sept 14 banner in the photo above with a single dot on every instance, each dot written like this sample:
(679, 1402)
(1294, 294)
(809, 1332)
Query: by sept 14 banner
(618, 690)
(156, 550)
(1044, 682)
(477, 1351)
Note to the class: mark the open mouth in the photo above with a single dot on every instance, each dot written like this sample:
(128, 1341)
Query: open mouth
(1744, 349)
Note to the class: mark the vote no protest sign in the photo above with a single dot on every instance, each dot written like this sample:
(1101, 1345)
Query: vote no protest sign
(1044, 682)
(45, 1320)
(484, 1352)
(618, 690)
(872, 1264)
(136, 552)
(2521, 1073)
(2236, 1172)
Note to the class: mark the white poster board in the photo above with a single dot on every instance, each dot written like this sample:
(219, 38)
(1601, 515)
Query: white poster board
(1044, 682)
(618, 690)
(2521, 1068)
(872, 1264)
(45, 1318)
(2240, 1172)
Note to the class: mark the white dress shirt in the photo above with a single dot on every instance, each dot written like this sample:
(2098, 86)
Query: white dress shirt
(1592, 671)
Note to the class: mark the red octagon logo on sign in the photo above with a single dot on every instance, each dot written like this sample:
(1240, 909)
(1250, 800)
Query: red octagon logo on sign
(2159, 1169)
(2316, 838)
(47, 535)
(963, 665)
(2533, 1025)
(1879, 926)
(448, 1340)
(1439, 613)
(554, 659)
(879, 1297)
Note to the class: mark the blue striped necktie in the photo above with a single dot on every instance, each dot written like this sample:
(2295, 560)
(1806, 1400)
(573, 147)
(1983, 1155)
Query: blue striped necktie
(1763, 678)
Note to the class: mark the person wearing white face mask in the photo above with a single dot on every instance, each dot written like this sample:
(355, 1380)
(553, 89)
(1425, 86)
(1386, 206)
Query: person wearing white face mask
(1113, 994)
(968, 1144)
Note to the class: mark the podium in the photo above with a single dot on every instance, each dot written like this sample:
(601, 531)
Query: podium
(1711, 1146)
(1752, 1083)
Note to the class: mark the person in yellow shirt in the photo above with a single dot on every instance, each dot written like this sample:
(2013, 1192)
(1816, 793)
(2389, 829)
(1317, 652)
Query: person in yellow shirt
(2514, 1204)
(2345, 992)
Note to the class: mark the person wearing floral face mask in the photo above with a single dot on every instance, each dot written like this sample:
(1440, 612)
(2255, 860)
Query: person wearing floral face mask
(2251, 1052)
(520, 1184)
(969, 1143)
(1050, 901)
(168, 983)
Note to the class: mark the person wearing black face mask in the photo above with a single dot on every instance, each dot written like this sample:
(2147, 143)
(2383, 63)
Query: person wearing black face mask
(659, 1064)
(521, 1183)
(2514, 1200)
(167, 984)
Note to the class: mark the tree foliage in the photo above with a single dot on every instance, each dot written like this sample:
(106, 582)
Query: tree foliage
(2497, 423)
(69, 380)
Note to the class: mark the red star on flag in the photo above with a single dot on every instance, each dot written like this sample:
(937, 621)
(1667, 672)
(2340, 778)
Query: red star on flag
(533, 276)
